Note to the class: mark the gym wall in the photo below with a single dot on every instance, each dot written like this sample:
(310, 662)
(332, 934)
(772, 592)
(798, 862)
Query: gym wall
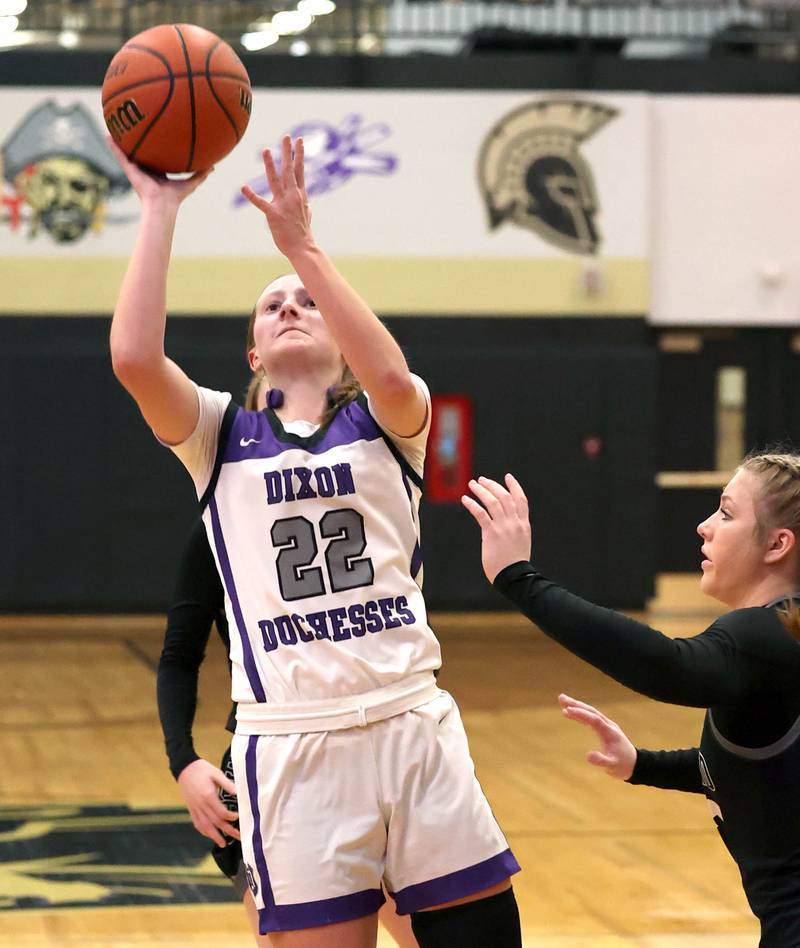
(553, 344)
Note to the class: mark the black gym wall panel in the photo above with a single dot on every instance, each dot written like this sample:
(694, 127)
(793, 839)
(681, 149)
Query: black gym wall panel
(96, 512)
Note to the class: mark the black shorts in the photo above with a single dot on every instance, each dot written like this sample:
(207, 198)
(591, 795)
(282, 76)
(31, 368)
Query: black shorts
(229, 857)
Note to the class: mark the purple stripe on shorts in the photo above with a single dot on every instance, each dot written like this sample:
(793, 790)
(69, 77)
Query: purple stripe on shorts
(455, 885)
(252, 437)
(342, 908)
(416, 560)
(250, 765)
(227, 576)
(278, 918)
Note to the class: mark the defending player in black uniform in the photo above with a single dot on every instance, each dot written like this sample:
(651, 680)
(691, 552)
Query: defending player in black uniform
(744, 668)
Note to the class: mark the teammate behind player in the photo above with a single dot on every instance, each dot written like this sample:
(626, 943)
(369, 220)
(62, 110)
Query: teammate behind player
(744, 668)
(351, 765)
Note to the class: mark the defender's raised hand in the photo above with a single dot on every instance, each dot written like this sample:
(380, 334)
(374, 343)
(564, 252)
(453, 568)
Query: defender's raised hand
(288, 213)
(617, 755)
(502, 515)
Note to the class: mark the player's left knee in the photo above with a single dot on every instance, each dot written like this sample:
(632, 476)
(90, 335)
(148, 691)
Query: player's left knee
(492, 922)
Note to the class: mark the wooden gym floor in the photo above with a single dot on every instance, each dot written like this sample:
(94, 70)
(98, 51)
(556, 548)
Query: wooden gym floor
(605, 865)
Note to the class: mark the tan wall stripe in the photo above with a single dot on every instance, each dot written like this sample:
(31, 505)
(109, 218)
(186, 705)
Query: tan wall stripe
(448, 286)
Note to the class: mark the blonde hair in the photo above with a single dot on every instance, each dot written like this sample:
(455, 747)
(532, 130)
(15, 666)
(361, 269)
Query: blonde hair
(777, 504)
(346, 390)
(251, 393)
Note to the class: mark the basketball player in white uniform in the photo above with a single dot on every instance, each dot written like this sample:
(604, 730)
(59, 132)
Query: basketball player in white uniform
(351, 765)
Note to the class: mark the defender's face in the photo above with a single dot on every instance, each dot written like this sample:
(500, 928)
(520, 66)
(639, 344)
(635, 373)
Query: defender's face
(732, 553)
(288, 326)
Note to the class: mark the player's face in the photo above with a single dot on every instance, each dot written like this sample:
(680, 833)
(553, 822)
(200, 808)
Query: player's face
(733, 555)
(288, 326)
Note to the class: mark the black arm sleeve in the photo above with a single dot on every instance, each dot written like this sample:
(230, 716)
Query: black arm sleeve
(669, 770)
(703, 671)
(197, 603)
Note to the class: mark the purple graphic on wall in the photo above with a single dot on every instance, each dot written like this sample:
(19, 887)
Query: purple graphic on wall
(334, 155)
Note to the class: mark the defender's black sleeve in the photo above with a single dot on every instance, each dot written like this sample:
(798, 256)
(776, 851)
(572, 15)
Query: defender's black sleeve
(669, 770)
(706, 670)
(197, 603)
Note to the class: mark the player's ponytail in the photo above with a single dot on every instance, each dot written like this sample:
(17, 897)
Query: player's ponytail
(253, 386)
(777, 504)
(345, 391)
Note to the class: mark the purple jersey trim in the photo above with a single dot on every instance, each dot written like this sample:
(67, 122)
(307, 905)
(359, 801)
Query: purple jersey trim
(250, 765)
(227, 577)
(455, 885)
(251, 435)
(342, 908)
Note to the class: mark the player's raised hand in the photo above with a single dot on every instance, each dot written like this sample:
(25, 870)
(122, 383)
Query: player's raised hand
(154, 187)
(617, 755)
(288, 214)
(200, 783)
(502, 515)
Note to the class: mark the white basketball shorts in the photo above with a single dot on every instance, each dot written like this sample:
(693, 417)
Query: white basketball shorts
(325, 817)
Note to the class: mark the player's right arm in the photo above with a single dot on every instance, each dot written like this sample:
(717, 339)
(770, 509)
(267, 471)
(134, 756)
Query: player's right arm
(164, 393)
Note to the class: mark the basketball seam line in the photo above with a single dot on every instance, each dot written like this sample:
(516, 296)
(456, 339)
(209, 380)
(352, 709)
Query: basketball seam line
(142, 49)
(172, 75)
(219, 102)
(146, 132)
(192, 108)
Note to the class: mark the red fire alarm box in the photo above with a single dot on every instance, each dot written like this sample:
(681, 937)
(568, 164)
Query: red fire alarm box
(449, 461)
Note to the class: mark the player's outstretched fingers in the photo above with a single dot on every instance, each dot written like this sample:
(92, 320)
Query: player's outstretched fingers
(569, 705)
(486, 497)
(271, 172)
(567, 701)
(518, 496)
(597, 759)
(255, 199)
(299, 163)
(288, 178)
(601, 725)
(500, 493)
(478, 512)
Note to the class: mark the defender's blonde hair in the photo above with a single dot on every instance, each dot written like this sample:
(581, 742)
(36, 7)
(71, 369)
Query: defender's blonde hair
(777, 504)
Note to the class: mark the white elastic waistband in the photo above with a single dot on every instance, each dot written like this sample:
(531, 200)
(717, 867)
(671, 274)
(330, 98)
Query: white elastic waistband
(336, 714)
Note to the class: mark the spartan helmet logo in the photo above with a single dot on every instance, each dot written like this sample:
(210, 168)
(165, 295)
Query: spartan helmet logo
(532, 174)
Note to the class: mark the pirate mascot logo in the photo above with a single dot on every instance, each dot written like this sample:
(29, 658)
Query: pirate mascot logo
(532, 173)
(62, 173)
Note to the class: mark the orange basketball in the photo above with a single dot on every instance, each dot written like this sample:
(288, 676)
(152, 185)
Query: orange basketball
(176, 98)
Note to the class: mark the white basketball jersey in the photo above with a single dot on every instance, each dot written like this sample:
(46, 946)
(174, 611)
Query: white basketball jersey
(317, 543)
